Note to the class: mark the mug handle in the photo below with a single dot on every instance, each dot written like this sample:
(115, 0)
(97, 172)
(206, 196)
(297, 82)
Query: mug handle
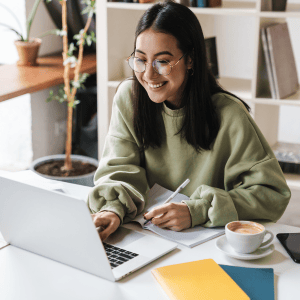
(269, 240)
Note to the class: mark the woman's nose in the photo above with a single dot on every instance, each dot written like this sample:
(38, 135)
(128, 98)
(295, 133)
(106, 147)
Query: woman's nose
(150, 72)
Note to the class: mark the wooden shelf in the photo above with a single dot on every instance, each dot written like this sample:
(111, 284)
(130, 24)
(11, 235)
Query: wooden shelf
(20, 80)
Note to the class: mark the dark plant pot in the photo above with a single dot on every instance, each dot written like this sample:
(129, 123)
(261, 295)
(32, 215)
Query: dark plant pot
(86, 180)
(28, 52)
(279, 5)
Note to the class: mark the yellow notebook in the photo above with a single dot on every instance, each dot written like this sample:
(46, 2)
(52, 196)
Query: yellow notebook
(201, 279)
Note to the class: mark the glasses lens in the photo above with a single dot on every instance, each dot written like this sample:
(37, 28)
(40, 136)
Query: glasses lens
(162, 67)
(136, 64)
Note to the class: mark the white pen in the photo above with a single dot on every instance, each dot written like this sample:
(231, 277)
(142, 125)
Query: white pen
(182, 186)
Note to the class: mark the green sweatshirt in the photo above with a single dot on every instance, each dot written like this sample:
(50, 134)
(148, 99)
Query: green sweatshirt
(239, 179)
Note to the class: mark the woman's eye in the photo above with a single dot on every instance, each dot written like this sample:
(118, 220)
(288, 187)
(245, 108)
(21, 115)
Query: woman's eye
(162, 62)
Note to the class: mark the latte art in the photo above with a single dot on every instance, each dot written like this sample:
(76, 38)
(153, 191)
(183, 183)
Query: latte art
(250, 228)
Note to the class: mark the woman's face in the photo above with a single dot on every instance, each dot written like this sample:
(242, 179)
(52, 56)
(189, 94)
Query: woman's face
(151, 45)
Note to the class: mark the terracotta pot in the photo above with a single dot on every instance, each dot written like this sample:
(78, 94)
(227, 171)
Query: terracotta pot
(28, 52)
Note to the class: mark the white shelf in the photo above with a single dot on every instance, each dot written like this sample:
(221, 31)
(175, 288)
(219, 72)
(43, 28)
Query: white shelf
(131, 6)
(291, 100)
(293, 181)
(292, 11)
(237, 86)
(227, 8)
(116, 27)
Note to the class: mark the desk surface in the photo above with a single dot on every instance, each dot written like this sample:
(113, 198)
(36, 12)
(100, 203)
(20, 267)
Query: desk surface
(24, 275)
(20, 80)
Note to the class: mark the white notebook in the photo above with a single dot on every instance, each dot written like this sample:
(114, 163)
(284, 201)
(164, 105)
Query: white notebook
(188, 237)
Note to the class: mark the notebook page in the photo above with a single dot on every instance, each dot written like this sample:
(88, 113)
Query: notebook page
(189, 237)
(156, 197)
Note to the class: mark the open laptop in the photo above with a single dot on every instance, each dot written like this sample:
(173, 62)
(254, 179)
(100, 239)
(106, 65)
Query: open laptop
(60, 227)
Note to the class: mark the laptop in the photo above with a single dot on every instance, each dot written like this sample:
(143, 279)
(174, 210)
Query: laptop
(60, 227)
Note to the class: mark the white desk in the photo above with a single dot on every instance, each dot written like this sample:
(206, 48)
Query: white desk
(24, 275)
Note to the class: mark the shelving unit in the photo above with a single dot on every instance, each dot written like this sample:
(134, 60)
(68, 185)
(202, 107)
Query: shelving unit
(116, 22)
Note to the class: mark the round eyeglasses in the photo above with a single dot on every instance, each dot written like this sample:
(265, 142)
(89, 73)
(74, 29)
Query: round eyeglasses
(161, 67)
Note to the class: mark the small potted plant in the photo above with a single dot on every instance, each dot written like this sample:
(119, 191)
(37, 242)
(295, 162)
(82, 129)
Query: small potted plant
(70, 168)
(27, 47)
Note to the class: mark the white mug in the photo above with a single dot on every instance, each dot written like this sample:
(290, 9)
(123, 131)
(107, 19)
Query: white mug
(246, 236)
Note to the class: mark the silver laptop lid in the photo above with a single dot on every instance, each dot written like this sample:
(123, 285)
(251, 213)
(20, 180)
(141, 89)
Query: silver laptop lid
(53, 225)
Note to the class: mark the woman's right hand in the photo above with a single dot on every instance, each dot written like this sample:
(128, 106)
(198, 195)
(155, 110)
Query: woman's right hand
(109, 222)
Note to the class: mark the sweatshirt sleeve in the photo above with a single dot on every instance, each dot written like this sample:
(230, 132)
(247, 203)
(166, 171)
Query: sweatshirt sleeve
(262, 194)
(254, 185)
(120, 181)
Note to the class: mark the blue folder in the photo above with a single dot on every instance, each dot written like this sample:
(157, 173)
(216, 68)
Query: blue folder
(257, 283)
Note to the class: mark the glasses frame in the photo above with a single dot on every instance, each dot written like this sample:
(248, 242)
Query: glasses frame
(172, 66)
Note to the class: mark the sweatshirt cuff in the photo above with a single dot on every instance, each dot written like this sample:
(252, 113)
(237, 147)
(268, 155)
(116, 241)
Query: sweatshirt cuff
(198, 210)
(116, 207)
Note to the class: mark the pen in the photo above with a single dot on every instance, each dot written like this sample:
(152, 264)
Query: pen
(183, 185)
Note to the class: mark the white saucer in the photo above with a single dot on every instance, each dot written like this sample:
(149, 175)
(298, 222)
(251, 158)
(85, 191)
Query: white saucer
(222, 245)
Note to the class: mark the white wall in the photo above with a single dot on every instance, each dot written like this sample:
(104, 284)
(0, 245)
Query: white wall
(27, 122)
(45, 115)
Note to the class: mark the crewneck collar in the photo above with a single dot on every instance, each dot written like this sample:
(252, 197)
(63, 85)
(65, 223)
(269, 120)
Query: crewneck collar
(173, 112)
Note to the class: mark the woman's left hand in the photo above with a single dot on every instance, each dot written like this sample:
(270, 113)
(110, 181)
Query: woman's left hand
(175, 216)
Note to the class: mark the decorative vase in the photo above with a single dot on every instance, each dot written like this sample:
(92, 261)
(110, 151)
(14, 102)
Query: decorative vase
(28, 52)
(87, 179)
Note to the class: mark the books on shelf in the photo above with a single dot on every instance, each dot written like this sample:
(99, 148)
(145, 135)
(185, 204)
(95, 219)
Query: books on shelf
(205, 279)
(188, 237)
(212, 58)
(280, 60)
(201, 3)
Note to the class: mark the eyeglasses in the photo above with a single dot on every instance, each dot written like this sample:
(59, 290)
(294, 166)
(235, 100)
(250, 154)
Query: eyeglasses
(161, 67)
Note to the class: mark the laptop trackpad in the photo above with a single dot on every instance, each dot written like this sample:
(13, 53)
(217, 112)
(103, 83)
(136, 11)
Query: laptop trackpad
(123, 237)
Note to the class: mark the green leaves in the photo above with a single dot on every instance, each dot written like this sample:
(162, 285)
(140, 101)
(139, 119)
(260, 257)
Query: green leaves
(60, 97)
(88, 39)
(90, 7)
(80, 83)
(31, 17)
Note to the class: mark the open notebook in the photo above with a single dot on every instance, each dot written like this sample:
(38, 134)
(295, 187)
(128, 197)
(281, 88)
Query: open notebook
(188, 237)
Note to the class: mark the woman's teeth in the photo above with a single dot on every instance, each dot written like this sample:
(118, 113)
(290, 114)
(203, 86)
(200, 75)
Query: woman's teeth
(155, 86)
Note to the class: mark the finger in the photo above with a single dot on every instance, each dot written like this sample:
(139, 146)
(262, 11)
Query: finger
(155, 212)
(104, 234)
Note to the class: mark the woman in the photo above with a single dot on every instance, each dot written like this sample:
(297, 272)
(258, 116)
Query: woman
(174, 122)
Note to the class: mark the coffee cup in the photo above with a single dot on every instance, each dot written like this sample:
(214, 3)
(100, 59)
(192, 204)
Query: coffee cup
(246, 236)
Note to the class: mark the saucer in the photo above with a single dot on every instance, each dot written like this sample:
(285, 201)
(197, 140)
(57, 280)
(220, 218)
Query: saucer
(222, 245)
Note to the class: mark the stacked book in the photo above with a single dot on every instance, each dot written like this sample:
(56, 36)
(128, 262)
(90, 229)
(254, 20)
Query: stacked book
(205, 279)
(280, 61)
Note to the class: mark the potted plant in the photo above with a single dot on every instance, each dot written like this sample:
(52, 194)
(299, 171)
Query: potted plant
(27, 47)
(71, 168)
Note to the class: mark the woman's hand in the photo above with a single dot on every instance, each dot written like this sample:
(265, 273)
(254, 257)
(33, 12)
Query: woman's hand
(109, 222)
(176, 216)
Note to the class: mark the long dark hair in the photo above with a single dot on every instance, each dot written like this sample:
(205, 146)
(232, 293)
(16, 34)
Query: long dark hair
(201, 124)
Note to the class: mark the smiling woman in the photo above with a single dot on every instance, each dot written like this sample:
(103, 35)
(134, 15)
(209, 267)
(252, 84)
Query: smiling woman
(173, 121)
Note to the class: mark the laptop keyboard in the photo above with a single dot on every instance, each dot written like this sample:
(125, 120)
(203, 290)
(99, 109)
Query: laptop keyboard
(117, 256)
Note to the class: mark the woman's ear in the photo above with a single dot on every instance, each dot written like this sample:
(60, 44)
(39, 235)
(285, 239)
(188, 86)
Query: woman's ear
(190, 60)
